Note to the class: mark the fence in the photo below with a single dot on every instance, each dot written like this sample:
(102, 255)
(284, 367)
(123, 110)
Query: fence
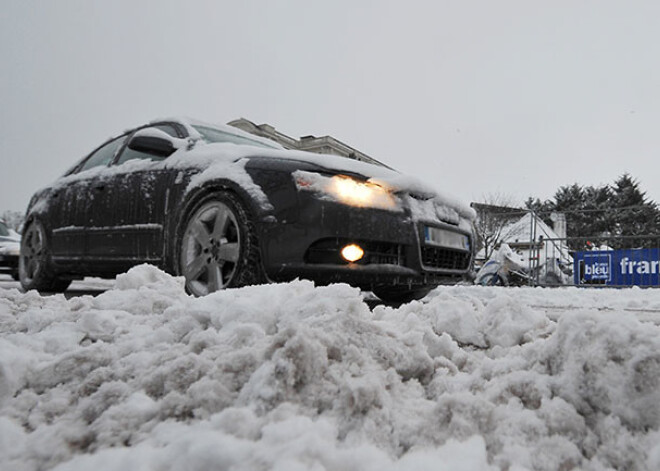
(556, 259)
(614, 261)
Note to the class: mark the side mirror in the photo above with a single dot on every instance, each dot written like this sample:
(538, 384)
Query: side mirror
(154, 142)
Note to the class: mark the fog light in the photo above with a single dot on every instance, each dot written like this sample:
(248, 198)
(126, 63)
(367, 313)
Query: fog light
(352, 253)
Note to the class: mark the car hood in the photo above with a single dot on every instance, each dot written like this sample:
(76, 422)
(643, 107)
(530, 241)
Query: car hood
(205, 155)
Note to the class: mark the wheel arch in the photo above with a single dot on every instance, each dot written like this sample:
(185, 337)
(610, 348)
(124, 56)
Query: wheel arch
(193, 198)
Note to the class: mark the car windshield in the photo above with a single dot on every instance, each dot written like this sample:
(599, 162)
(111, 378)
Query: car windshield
(3, 229)
(215, 135)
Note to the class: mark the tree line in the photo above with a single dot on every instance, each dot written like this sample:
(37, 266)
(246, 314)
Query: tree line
(619, 215)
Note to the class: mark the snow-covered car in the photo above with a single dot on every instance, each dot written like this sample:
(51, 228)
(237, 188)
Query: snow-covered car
(224, 208)
(9, 249)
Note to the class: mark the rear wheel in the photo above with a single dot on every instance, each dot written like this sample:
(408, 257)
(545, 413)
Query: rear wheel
(34, 263)
(218, 248)
(493, 279)
(393, 294)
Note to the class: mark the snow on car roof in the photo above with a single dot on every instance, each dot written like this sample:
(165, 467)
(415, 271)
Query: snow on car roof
(205, 155)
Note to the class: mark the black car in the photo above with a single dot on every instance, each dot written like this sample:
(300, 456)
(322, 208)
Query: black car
(224, 208)
(9, 248)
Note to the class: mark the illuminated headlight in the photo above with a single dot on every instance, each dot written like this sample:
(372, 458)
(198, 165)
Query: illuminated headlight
(347, 190)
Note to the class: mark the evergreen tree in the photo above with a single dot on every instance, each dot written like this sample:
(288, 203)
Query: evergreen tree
(608, 214)
(635, 214)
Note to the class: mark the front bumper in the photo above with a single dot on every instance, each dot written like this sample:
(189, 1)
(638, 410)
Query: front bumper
(396, 250)
(8, 264)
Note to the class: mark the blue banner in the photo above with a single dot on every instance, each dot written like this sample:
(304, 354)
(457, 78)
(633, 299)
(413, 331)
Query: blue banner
(628, 267)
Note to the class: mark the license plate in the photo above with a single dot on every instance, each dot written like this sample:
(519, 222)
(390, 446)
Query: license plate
(445, 238)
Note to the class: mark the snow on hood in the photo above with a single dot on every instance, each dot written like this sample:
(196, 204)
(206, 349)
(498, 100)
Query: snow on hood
(208, 155)
(292, 376)
(382, 175)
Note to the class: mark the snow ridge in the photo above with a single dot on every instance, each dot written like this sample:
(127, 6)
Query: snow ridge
(294, 376)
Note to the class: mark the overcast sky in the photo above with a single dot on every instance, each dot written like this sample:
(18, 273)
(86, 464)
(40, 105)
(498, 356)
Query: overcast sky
(477, 97)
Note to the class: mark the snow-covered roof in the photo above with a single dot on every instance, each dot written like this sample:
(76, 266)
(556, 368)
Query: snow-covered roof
(521, 230)
(532, 228)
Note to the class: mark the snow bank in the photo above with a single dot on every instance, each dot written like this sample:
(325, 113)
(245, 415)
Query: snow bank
(294, 376)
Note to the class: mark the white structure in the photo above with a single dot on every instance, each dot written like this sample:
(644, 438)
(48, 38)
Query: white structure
(538, 244)
(559, 224)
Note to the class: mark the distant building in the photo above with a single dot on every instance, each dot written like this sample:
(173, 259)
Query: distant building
(495, 214)
(319, 145)
(533, 238)
(526, 233)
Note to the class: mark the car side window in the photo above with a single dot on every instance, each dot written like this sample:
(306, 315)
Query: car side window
(130, 154)
(103, 155)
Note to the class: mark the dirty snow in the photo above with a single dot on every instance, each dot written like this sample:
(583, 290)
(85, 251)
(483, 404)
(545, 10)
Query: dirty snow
(298, 377)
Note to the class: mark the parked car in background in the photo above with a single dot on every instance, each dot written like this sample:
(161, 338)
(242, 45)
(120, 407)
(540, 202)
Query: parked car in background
(224, 208)
(9, 250)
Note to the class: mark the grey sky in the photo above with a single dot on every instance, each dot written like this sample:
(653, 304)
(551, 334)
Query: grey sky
(476, 97)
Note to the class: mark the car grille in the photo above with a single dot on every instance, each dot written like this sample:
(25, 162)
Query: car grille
(384, 254)
(445, 259)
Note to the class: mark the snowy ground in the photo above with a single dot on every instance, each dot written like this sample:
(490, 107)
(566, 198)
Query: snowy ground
(294, 377)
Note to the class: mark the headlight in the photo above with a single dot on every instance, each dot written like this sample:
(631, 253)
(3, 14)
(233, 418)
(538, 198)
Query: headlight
(347, 190)
(10, 249)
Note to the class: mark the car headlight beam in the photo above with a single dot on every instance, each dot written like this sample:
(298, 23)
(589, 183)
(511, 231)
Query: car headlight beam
(347, 190)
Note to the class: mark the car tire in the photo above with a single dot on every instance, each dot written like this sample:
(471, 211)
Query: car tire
(34, 263)
(218, 247)
(395, 295)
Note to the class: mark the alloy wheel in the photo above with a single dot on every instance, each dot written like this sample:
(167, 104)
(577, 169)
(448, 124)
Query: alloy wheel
(33, 252)
(210, 248)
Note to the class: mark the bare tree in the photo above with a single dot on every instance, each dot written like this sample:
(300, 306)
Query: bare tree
(493, 215)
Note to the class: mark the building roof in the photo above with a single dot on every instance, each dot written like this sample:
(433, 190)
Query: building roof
(319, 145)
(526, 233)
